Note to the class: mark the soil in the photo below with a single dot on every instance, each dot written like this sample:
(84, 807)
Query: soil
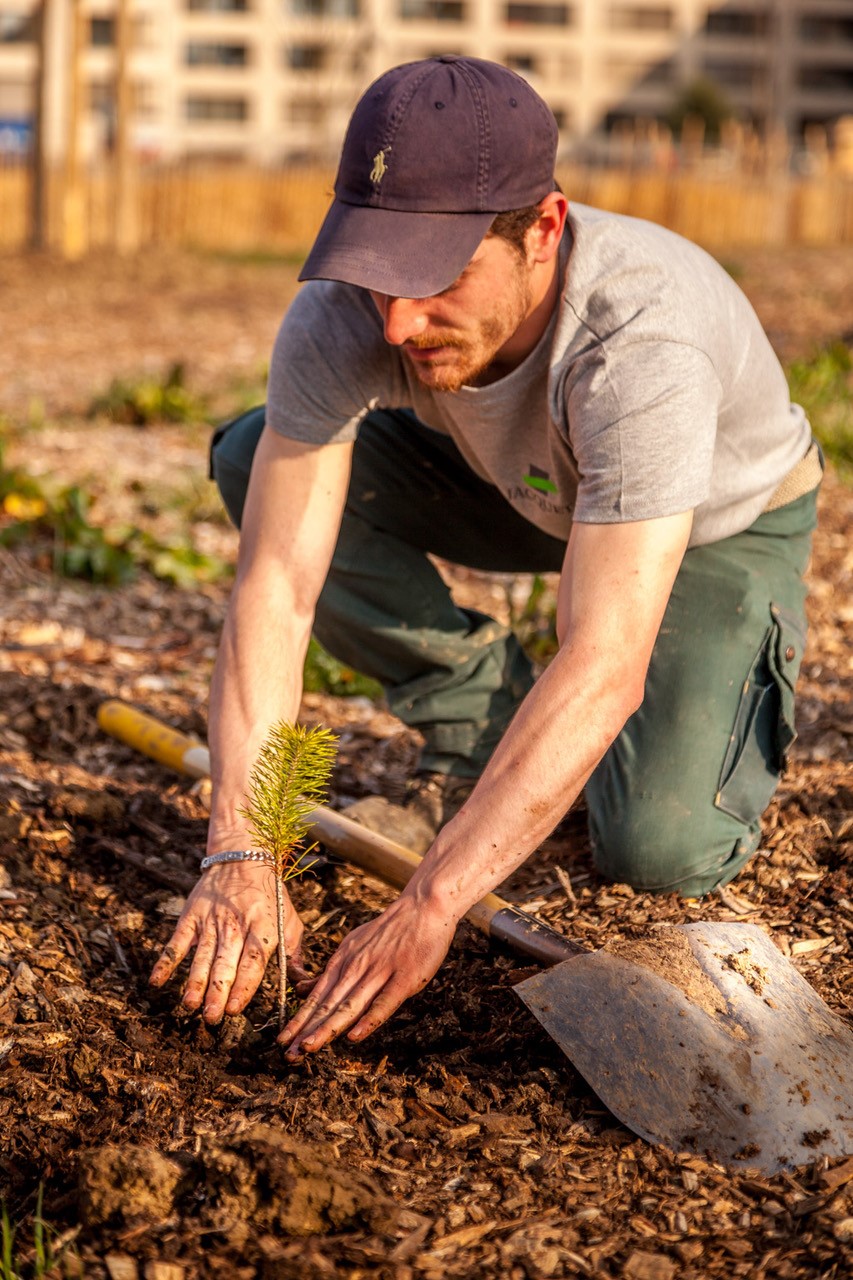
(671, 957)
(458, 1140)
(754, 975)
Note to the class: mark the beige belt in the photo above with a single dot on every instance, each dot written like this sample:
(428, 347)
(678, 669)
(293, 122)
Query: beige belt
(801, 479)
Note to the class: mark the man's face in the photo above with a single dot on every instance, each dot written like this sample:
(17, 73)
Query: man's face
(460, 337)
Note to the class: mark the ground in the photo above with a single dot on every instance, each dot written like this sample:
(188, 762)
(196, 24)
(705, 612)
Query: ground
(458, 1140)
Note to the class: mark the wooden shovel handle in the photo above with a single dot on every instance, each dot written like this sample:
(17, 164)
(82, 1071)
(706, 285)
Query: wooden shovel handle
(383, 858)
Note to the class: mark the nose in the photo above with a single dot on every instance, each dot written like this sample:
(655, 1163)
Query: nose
(402, 318)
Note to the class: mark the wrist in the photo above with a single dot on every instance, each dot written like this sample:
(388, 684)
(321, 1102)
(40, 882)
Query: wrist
(434, 899)
(232, 832)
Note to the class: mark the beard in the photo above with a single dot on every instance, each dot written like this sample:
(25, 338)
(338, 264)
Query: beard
(467, 357)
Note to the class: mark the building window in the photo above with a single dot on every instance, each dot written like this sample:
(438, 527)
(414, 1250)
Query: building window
(216, 109)
(661, 73)
(202, 53)
(218, 6)
(539, 15)
(306, 111)
(102, 33)
(101, 96)
(738, 22)
(304, 57)
(826, 29)
(324, 8)
(735, 75)
(826, 79)
(16, 28)
(628, 18)
(433, 10)
(524, 63)
(639, 74)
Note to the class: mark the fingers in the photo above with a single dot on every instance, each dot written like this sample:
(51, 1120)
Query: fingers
(376, 968)
(230, 920)
(253, 961)
(173, 953)
(331, 1020)
(333, 1006)
(387, 1002)
(226, 971)
(196, 983)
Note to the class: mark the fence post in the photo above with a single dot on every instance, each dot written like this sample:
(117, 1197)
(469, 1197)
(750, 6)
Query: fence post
(74, 230)
(38, 156)
(127, 214)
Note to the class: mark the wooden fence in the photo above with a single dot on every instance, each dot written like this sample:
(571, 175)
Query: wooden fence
(245, 210)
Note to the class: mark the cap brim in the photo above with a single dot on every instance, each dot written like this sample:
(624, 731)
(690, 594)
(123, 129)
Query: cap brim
(404, 255)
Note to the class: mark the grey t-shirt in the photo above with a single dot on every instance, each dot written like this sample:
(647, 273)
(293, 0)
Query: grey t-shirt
(653, 391)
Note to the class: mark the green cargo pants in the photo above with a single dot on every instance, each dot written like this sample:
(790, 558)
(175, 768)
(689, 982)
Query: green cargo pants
(675, 803)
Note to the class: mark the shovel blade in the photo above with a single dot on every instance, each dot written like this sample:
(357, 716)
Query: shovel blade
(756, 1073)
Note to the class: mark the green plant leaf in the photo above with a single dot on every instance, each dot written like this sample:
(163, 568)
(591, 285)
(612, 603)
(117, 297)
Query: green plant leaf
(823, 385)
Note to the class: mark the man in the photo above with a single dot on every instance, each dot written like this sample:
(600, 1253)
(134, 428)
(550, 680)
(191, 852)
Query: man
(477, 371)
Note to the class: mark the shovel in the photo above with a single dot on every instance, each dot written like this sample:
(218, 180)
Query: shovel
(701, 1037)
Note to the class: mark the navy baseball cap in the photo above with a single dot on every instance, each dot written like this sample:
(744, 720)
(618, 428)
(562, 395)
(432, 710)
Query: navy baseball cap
(433, 152)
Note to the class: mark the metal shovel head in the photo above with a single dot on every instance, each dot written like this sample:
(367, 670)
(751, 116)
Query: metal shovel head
(705, 1039)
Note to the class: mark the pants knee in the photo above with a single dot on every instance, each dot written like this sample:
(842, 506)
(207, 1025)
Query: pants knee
(652, 855)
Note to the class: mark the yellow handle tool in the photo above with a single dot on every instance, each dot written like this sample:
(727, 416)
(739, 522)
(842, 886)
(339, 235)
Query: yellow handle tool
(155, 739)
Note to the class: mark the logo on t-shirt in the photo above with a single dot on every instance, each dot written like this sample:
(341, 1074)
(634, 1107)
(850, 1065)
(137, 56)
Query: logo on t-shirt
(536, 478)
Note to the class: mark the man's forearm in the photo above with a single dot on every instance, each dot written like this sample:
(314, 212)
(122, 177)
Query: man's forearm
(257, 681)
(559, 735)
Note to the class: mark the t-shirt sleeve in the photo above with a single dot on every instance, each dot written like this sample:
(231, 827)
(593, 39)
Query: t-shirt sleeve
(641, 422)
(329, 366)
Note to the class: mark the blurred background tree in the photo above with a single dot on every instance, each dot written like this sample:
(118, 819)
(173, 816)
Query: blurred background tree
(703, 100)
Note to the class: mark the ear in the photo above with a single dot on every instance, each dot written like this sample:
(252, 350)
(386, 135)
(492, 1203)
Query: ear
(543, 238)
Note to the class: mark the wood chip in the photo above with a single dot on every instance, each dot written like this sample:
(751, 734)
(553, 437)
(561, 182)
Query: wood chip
(458, 1137)
(411, 1243)
(120, 1266)
(649, 1266)
(461, 1239)
(832, 1179)
(805, 946)
(164, 1271)
(734, 903)
(563, 877)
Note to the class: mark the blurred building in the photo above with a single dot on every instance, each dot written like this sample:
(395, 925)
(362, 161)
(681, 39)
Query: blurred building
(273, 80)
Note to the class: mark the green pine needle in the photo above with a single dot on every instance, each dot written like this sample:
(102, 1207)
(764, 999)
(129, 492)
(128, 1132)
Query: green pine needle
(289, 780)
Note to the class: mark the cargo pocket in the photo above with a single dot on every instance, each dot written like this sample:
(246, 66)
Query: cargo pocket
(764, 725)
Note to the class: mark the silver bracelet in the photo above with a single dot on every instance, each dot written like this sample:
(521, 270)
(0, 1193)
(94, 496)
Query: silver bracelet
(237, 855)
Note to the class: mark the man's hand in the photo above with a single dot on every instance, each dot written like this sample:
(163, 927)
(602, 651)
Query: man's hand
(376, 968)
(230, 919)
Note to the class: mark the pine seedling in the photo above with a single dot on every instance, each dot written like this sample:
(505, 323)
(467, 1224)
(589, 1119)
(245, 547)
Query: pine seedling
(289, 780)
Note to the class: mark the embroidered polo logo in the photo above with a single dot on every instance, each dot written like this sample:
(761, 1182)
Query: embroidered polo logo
(536, 478)
(380, 168)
